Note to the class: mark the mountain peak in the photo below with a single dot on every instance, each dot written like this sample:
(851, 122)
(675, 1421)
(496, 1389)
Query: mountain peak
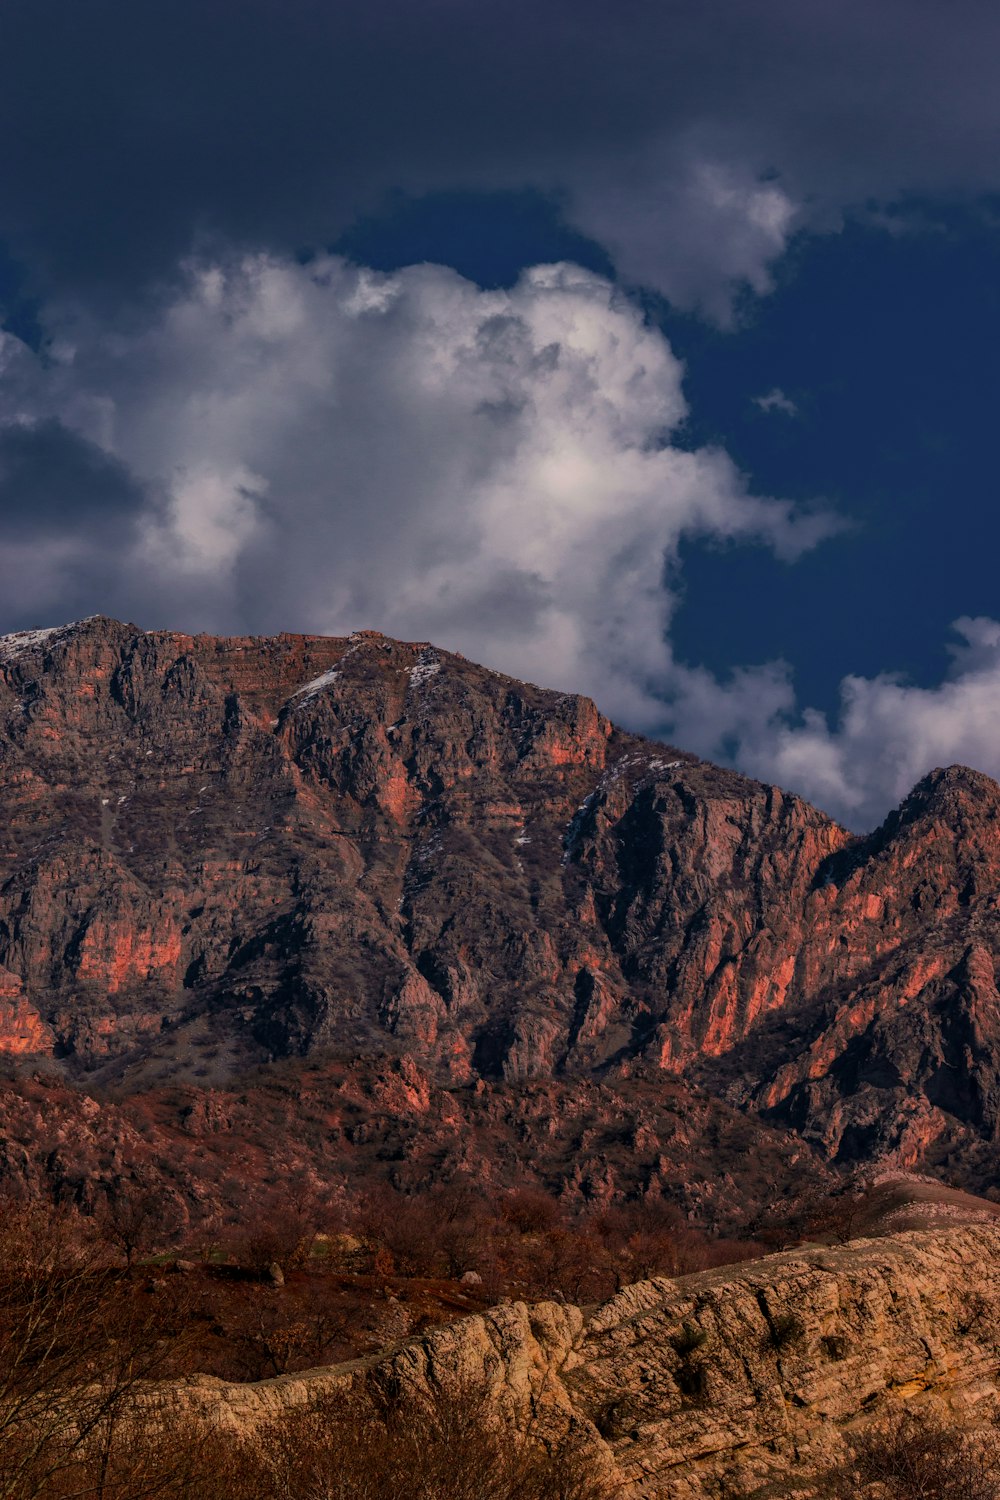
(955, 778)
(956, 792)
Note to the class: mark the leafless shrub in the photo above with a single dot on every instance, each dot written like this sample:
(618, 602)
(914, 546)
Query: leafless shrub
(785, 1331)
(449, 1447)
(529, 1210)
(919, 1458)
(146, 1454)
(978, 1314)
(74, 1348)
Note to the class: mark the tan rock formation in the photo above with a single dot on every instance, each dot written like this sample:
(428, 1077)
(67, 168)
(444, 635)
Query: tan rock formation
(741, 1382)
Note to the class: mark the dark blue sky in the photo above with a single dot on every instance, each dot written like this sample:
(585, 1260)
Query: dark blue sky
(888, 345)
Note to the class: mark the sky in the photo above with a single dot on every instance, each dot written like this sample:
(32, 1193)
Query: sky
(648, 351)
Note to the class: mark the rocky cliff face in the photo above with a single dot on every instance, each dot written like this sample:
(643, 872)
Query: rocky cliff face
(890, 1043)
(221, 852)
(742, 1382)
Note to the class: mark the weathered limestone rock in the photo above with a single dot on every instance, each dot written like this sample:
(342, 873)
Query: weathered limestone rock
(738, 1382)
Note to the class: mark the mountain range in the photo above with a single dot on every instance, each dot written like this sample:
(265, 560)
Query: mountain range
(309, 909)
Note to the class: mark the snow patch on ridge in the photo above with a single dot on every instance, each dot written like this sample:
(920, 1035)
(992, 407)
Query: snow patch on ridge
(317, 685)
(428, 664)
(20, 641)
(357, 639)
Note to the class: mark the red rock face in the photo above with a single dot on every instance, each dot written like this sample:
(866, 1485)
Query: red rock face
(889, 1046)
(217, 853)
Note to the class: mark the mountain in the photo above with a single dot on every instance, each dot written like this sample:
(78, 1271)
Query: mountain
(353, 904)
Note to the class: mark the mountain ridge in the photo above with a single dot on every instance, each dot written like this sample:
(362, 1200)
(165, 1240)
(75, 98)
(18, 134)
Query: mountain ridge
(220, 852)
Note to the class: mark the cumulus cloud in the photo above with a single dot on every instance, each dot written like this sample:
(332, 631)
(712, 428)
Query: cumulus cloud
(889, 732)
(323, 447)
(320, 447)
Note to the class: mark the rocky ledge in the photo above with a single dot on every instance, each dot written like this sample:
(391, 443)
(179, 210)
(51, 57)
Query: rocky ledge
(745, 1381)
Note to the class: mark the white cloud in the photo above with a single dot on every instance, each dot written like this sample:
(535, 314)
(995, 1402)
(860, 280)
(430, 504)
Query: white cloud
(325, 448)
(695, 228)
(889, 733)
(211, 517)
(776, 400)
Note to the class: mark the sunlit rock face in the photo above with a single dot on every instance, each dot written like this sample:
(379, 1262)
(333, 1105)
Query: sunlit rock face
(743, 1382)
(221, 852)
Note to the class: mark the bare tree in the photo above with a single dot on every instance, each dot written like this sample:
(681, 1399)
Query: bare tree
(133, 1216)
(75, 1346)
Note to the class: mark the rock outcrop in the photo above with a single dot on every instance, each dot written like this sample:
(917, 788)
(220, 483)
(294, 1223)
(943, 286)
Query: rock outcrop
(741, 1382)
(218, 853)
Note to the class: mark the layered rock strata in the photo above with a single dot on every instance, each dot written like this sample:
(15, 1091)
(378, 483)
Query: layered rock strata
(741, 1382)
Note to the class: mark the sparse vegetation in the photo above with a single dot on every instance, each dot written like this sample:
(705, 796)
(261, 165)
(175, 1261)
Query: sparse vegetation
(978, 1315)
(690, 1338)
(90, 1323)
(451, 1445)
(82, 1343)
(691, 1374)
(307, 1285)
(785, 1331)
(98, 1306)
(915, 1457)
(76, 1345)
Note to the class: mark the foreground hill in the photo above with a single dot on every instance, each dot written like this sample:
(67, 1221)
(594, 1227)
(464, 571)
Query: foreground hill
(497, 933)
(754, 1381)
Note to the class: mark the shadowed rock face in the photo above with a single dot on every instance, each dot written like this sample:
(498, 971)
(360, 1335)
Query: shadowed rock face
(216, 852)
(890, 1045)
